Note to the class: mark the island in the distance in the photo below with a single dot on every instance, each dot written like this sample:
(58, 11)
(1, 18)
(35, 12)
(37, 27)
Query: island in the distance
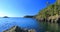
(28, 16)
(5, 17)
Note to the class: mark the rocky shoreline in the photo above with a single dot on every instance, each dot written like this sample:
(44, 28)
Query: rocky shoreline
(18, 29)
(52, 19)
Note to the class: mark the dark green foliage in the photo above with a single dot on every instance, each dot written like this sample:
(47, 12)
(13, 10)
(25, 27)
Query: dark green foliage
(51, 10)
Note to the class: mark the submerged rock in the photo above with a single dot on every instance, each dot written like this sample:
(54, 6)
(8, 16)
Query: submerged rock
(31, 30)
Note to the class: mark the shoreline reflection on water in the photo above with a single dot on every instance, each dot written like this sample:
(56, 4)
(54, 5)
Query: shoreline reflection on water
(49, 27)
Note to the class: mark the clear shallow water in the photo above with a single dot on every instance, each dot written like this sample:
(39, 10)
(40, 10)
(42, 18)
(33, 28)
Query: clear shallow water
(29, 23)
(49, 27)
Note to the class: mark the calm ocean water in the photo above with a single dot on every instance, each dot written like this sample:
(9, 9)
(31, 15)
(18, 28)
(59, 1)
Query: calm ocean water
(28, 23)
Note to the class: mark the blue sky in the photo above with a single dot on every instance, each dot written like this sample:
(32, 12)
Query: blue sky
(20, 8)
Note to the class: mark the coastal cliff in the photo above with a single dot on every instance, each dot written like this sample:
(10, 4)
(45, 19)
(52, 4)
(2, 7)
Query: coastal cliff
(50, 12)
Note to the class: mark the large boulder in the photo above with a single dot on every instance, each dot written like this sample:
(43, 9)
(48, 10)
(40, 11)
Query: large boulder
(18, 29)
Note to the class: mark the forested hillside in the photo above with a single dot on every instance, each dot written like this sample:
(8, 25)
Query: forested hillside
(51, 10)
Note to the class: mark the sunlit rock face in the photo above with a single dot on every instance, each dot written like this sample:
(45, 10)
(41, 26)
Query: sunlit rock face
(58, 1)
